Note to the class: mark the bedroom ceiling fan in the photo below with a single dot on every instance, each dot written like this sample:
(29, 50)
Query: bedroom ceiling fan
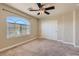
(42, 9)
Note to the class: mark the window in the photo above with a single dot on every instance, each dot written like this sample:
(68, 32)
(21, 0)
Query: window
(17, 26)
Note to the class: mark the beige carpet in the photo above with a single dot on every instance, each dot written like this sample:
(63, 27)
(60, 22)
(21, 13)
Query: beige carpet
(42, 47)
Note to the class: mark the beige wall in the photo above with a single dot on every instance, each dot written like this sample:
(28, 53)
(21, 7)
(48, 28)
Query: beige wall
(64, 27)
(71, 27)
(60, 33)
(4, 42)
(68, 27)
(77, 27)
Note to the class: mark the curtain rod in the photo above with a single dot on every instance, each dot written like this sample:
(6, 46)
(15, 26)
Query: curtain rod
(12, 12)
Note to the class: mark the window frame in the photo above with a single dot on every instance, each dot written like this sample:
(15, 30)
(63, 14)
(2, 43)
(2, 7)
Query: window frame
(15, 34)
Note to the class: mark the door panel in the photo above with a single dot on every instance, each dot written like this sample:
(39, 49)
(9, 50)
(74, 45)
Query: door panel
(49, 29)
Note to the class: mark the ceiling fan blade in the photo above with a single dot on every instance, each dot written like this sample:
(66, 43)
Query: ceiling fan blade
(49, 8)
(38, 13)
(33, 10)
(39, 5)
(47, 12)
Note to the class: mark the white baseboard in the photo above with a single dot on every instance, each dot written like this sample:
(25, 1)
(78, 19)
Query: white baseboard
(68, 43)
(65, 42)
(6, 48)
(76, 46)
(62, 41)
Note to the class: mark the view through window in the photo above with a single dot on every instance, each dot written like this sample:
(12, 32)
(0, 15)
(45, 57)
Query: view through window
(17, 26)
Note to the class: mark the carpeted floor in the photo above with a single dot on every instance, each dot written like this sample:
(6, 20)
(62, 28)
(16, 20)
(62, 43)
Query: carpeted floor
(42, 47)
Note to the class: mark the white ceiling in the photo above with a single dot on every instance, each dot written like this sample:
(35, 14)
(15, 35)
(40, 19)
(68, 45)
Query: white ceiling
(59, 8)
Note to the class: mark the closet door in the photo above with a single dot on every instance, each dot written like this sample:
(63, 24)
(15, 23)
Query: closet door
(49, 29)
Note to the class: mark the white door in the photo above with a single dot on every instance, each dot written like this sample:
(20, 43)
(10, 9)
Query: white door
(49, 29)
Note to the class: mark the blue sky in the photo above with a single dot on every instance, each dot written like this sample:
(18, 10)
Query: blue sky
(13, 19)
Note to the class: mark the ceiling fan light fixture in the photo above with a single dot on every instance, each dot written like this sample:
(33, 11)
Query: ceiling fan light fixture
(41, 12)
(42, 9)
